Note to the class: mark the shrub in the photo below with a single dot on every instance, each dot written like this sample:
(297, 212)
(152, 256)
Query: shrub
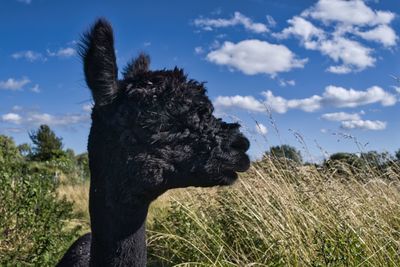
(33, 221)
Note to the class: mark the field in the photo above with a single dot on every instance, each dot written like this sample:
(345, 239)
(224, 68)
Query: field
(278, 214)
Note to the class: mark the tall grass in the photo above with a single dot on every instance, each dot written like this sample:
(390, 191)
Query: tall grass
(277, 214)
(280, 214)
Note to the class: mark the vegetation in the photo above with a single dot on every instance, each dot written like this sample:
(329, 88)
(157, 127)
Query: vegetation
(297, 216)
(47, 145)
(35, 224)
(342, 212)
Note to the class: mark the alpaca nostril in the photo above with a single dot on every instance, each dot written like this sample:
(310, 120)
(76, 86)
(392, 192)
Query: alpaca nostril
(240, 143)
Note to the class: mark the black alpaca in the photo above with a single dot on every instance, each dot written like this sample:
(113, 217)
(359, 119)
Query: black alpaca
(151, 131)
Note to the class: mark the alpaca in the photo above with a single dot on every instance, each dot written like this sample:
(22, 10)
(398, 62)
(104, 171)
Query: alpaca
(151, 131)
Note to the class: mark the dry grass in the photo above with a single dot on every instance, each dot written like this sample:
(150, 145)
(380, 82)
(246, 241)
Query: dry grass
(79, 194)
(278, 214)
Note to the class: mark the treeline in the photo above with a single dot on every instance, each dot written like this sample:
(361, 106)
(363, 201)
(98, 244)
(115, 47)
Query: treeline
(370, 158)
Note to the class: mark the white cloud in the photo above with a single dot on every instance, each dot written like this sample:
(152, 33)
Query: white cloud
(303, 29)
(199, 50)
(16, 108)
(382, 34)
(28, 55)
(341, 116)
(255, 57)
(36, 119)
(353, 12)
(87, 107)
(14, 84)
(342, 69)
(344, 24)
(62, 52)
(27, 119)
(237, 19)
(244, 102)
(284, 83)
(271, 21)
(364, 124)
(342, 97)
(282, 105)
(354, 55)
(333, 96)
(11, 118)
(36, 88)
(261, 129)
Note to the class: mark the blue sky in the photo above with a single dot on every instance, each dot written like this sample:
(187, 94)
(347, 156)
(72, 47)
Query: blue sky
(313, 74)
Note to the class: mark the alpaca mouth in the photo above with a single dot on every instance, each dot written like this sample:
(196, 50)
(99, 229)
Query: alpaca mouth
(229, 176)
(242, 164)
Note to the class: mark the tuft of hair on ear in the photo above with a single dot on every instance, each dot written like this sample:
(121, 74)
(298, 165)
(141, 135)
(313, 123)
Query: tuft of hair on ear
(99, 62)
(136, 66)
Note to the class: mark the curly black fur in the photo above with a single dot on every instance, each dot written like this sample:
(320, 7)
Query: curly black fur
(151, 131)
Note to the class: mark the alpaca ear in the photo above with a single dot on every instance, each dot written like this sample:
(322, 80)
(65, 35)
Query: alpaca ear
(99, 63)
(138, 65)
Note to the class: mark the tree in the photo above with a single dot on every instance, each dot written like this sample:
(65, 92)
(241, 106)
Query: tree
(83, 163)
(9, 153)
(397, 154)
(46, 144)
(286, 151)
(376, 159)
(25, 150)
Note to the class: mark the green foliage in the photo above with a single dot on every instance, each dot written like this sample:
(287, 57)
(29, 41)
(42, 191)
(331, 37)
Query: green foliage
(343, 247)
(46, 144)
(397, 155)
(8, 151)
(33, 221)
(83, 164)
(25, 150)
(287, 152)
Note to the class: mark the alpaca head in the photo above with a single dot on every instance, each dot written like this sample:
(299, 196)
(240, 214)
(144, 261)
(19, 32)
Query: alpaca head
(158, 126)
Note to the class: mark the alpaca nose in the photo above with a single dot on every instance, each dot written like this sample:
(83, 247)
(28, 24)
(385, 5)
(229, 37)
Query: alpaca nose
(240, 143)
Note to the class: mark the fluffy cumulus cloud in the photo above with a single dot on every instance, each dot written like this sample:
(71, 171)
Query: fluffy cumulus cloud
(261, 129)
(237, 19)
(354, 121)
(12, 118)
(340, 23)
(14, 84)
(341, 116)
(382, 34)
(353, 12)
(256, 57)
(244, 102)
(333, 96)
(27, 119)
(342, 97)
(364, 124)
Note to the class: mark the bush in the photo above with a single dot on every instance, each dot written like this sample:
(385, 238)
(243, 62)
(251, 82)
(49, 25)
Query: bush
(33, 221)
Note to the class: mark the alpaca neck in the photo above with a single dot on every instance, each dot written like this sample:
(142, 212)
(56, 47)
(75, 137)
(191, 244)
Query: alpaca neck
(118, 233)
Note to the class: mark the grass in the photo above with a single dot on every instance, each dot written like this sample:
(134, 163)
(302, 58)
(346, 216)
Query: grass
(279, 214)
